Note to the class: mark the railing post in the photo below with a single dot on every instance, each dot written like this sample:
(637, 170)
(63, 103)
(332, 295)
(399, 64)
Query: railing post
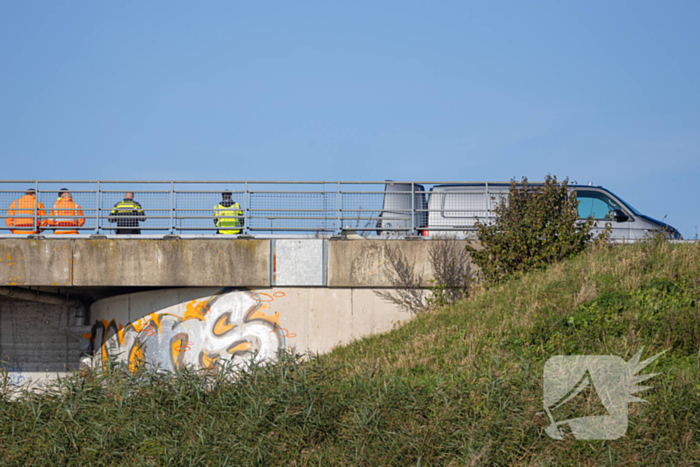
(36, 206)
(172, 207)
(325, 209)
(97, 211)
(487, 201)
(245, 210)
(340, 227)
(413, 208)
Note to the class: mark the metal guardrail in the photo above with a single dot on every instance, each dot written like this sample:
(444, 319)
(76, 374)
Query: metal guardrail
(266, 207)
(187, 207)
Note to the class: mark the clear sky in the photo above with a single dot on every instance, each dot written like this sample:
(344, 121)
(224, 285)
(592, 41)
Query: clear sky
(601, 91)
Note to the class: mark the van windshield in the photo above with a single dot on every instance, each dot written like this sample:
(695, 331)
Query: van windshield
(629, 206)
(594, 202)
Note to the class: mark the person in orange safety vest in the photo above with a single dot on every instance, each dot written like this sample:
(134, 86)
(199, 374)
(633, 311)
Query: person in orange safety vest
(21, 214)
(66, 213)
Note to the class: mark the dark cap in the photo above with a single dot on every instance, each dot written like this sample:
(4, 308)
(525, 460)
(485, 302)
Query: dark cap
(30, 191)
(62, 190)
(226, 194)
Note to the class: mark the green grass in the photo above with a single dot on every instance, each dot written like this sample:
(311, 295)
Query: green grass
(459, 386)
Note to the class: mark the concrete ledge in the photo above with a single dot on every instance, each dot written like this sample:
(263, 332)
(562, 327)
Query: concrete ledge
(361, 263)
(36, 262)
(149, 262)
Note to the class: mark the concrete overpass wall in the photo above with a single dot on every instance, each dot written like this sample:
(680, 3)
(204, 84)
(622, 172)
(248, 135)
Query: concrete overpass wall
(134, 262)
(307, 294)
(141, 262)
(302, 318)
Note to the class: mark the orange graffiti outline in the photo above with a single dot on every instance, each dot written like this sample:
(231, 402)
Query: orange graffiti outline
(286, 332)
(183, 347)
(271, 298)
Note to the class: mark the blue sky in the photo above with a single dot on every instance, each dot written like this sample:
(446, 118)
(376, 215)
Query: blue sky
(598, 91)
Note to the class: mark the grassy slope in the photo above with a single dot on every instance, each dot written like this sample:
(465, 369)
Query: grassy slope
(460, 386)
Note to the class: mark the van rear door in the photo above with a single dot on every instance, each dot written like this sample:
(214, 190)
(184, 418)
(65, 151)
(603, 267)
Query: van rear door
(400, 211)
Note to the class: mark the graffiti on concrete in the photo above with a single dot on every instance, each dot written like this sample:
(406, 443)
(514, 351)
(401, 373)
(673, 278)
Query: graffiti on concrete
(12, 376)
(231, 325)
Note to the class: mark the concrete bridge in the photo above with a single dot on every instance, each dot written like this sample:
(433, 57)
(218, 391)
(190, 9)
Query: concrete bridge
(170, 302)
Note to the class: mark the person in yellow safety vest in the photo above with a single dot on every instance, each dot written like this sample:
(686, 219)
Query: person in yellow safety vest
(228, 216)
(21, 214)
(66, 213)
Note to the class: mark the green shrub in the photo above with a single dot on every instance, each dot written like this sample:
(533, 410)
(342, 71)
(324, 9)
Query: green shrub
(536, 226)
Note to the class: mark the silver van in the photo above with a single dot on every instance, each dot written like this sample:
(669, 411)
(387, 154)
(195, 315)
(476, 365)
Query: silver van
(455, 208)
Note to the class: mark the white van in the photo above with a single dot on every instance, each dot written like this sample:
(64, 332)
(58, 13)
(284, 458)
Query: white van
(455, 209)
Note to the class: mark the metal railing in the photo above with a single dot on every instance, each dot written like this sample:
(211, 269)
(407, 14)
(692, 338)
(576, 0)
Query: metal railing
(266, 207)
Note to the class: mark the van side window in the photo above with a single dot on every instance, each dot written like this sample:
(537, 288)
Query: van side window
(594, 204)
(463, 204)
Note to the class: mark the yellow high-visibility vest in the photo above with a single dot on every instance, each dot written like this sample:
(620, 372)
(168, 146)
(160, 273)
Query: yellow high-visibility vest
(227, 217)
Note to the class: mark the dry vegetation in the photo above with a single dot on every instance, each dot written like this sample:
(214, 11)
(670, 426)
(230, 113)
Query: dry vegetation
(452, 276)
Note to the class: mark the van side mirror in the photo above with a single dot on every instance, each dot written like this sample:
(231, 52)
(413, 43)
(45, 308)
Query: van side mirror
(619, 216)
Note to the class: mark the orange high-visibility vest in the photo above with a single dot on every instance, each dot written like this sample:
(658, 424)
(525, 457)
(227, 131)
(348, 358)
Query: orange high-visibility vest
(26, 206)
(66, 213)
